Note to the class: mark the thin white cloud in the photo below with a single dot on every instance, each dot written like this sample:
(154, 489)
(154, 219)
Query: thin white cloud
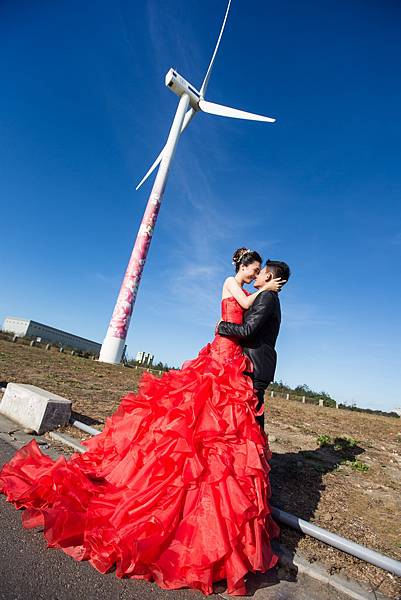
(108, 279)
(299, 315)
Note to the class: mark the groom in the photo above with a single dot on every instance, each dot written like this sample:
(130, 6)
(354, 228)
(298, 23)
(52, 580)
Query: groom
(259, 331)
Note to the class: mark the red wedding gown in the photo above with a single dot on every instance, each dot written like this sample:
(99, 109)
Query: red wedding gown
(174, 490)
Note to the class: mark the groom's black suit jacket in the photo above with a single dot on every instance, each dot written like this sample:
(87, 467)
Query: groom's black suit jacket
(258, 335)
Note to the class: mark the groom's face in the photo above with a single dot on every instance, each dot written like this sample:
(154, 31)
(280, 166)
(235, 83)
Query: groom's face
(262, 278)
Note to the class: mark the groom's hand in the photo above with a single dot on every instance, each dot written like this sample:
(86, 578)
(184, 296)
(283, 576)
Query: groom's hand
(274, 285)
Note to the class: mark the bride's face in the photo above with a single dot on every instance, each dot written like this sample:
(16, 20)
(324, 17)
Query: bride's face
(250, 272)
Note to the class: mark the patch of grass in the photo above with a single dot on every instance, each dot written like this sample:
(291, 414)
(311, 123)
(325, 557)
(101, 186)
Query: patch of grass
(324, 440)
(357, 465)
(345, 443)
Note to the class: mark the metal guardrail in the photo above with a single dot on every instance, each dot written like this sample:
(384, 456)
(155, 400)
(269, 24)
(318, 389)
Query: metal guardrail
(339, 542)
(84, 427)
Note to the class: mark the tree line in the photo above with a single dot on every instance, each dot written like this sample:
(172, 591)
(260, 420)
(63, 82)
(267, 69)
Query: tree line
(304, 390)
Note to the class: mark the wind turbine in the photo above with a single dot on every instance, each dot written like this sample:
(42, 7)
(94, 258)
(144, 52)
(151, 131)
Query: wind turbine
(192, 101)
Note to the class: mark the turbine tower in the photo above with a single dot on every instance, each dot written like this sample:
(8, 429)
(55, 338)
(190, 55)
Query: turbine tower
(191, 102)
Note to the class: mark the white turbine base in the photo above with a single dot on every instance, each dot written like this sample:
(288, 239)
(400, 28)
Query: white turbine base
(112, 350)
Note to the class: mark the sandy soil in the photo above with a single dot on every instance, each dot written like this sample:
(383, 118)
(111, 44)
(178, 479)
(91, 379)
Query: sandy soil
(351, 485)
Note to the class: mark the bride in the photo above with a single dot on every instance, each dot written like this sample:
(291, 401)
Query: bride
(176, 487)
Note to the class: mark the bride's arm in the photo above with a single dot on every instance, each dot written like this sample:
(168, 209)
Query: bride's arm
(232, 286)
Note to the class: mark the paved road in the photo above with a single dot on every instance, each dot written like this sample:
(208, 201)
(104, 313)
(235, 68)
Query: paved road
(28, 570)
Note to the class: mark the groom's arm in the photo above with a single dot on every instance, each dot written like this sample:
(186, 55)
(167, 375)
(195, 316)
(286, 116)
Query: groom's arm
(262, 310)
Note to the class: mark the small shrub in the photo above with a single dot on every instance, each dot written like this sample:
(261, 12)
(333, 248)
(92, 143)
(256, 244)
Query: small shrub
(357, 465)
(323, 440)
(344, 443)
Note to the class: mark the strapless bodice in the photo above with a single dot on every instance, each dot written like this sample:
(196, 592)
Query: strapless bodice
(224, 347)
(231, 311)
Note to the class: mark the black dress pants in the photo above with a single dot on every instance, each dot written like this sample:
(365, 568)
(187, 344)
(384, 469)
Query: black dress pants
(259, 387)
(260, 393)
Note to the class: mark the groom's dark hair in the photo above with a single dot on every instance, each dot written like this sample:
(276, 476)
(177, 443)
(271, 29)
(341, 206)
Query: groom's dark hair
(278, 268)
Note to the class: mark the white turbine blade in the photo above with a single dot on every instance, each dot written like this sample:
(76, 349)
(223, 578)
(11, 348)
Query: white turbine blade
(234, 113)
(152, 168)
(209, 69)
(188, 116)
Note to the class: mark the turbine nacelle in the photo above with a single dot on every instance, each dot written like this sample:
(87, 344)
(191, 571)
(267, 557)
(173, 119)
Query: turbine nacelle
(180, 86)
(197, 103)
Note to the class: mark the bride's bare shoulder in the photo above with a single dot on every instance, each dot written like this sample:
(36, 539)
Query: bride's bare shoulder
(229, 280)
(229, 287)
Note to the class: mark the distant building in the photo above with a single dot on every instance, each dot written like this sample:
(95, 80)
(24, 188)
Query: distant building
(144, 358)
(33, 329)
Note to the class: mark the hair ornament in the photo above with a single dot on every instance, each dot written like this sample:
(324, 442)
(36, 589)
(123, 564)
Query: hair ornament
(242, 254)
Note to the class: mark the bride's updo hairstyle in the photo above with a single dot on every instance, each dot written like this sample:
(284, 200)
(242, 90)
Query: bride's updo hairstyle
(245, 256)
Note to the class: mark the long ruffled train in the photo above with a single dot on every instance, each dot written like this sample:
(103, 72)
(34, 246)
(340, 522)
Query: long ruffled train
(175, 489)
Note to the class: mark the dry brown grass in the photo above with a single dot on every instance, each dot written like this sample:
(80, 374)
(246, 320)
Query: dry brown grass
(312, 482)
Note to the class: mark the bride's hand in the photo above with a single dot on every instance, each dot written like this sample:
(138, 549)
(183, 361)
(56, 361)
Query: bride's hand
(274, 285)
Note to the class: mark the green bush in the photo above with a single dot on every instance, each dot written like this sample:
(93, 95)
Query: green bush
(324, 440)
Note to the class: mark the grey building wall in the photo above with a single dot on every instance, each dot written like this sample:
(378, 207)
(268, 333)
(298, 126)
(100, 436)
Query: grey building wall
(26, 327)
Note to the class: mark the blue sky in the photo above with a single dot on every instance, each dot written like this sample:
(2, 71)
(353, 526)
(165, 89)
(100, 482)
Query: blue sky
(84, 111)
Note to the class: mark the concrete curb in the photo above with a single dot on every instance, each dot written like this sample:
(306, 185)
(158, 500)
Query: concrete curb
(67, 440)
(11, 433)
(341, 583)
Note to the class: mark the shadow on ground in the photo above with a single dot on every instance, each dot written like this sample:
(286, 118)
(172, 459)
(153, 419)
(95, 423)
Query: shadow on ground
(84, 419)
(297, 483)
(297, 479)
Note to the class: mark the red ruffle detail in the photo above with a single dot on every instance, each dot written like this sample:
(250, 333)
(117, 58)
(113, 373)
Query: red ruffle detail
(175, 489)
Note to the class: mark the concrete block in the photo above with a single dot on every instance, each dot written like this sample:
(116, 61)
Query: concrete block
(35, 408)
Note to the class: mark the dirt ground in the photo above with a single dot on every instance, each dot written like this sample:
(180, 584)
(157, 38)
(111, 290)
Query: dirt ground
(349, 483)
